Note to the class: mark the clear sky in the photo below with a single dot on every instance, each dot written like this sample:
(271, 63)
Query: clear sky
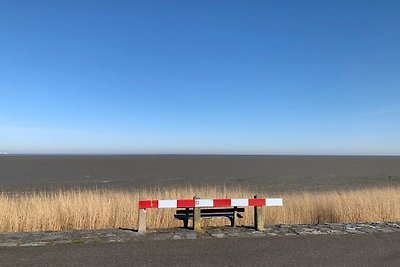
(236, 77)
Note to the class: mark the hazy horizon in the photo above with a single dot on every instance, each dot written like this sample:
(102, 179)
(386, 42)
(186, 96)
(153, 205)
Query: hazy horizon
(198, 154)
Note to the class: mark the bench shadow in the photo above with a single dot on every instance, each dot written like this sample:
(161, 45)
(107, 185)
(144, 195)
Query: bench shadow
(128, 229)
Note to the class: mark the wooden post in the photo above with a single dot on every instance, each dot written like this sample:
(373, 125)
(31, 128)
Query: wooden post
(234, 219)
(142, 221)
(196, 217)
(258, 217)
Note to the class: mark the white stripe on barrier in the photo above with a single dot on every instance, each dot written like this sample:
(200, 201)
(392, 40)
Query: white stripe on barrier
(204, 203)
(234, 202)
(167, 203)
(274, 202)
(239, 202)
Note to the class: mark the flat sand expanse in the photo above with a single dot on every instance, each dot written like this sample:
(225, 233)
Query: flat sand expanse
(269, 173)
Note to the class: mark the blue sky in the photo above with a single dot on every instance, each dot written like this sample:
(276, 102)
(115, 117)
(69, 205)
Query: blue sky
(219, 77)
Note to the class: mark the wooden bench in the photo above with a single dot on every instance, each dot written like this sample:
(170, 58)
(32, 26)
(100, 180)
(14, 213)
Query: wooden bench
(231, 213)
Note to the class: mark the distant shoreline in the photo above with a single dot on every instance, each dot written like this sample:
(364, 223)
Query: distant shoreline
(196, 155)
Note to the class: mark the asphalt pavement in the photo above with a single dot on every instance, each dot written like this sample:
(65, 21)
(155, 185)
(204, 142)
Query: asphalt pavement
(378, 249)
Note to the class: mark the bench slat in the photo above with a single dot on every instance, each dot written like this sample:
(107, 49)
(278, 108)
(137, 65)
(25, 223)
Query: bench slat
(190, 216)
(205, 211)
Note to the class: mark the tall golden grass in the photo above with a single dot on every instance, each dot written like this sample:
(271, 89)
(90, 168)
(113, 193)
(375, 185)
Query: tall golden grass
(97, 209)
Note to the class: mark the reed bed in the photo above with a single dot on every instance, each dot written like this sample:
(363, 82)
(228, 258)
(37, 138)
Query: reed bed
(99, 209)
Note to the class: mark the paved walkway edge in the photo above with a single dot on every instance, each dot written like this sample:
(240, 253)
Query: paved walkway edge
(125, 235)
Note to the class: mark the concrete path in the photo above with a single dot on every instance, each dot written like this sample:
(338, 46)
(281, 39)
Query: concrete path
(374, 249)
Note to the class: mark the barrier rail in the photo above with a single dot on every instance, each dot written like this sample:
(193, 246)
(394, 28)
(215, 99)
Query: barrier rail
(197, 204)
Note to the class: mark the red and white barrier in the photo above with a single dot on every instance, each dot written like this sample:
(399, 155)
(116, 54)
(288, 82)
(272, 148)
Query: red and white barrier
(204, 203)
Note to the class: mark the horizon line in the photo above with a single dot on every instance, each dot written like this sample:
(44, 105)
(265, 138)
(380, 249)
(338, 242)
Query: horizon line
(195, 154)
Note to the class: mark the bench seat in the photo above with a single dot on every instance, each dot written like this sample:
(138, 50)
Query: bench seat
(187, 214)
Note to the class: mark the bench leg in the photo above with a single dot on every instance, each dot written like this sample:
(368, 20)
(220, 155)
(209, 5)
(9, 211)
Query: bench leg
(186, 221)
(234, 218)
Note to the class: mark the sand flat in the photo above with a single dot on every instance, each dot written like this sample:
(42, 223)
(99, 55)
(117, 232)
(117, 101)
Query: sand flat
(274, 173)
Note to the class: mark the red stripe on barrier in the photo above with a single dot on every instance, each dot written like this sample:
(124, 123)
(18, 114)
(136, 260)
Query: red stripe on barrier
(185, 203)
(256, 201)
(147, 204)
(190, 203)
(222, 202)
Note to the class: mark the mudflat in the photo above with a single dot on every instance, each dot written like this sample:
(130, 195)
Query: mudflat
(269, 173)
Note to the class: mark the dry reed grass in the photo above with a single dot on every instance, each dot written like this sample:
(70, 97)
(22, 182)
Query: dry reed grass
(97, 209)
